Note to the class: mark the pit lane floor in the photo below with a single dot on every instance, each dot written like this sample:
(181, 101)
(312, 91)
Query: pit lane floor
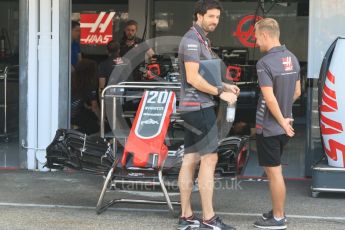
(66, 200)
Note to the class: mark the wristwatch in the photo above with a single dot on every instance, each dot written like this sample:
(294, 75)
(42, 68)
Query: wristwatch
(220, 90)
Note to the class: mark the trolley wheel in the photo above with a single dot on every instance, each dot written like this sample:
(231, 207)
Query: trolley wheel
(315, 194)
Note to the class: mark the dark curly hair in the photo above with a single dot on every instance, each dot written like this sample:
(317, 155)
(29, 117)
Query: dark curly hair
(202, 6)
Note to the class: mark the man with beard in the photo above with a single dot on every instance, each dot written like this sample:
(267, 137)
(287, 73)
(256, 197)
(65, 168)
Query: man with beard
(134, 48)
(198, 112)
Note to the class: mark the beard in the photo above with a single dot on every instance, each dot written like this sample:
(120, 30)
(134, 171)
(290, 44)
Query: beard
(209, 28)
(130, 38)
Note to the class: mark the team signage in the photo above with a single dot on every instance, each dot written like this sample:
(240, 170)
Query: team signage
(332, 109)
(245, 30)
(96, 29)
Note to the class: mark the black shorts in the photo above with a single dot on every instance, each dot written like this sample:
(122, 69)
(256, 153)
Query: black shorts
(201, 132)
(270, 149)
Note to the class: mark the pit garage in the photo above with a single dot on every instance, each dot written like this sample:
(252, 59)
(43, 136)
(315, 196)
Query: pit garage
(233, 42)
(307, 29)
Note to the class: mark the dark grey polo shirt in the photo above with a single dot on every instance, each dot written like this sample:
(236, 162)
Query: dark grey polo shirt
(279, 69)
(140, 47)
(193, 50)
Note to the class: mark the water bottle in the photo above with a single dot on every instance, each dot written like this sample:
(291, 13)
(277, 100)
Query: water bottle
(230, 112)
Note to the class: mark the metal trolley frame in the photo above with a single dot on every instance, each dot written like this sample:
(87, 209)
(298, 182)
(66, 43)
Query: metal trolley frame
(112, 178)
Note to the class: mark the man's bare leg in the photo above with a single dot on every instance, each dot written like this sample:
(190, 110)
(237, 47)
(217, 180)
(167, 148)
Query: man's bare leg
(206, 183)
(277, 188)
(186, 182)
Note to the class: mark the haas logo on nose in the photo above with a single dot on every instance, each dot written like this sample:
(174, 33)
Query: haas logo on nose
(149, 122)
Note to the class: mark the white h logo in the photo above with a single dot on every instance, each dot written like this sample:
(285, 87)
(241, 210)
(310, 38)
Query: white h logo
(102, 26)
(287, 62)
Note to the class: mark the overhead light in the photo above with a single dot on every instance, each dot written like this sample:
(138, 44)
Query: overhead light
(283, 4)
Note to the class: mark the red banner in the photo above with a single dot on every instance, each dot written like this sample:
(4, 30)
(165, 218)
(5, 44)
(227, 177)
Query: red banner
(96, 29)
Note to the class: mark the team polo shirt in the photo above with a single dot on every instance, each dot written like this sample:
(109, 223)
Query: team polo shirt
(191, 49)
(115, 70)
(138, 51)
(279, 69)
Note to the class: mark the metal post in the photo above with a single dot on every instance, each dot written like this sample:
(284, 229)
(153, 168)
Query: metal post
(5, 101)
(102, 116)
(114, 125)
(28, 84)
(64, 62)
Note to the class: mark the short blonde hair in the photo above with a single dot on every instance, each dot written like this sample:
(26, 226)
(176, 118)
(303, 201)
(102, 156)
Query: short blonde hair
(269, 25)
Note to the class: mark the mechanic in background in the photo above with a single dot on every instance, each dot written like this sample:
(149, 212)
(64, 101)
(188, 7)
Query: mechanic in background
(134, 48)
